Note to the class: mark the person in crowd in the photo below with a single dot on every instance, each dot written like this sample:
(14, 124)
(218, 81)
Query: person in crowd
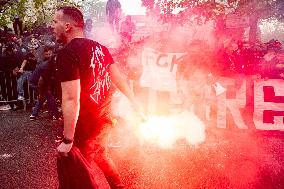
(25, 71)
(193, 82)
(88, 29)
(41, 81)
(226, 58)
(280, 65)
(87, 72)
(271, 64)
(9, 62)
(127, 29)
(10, 58)
(18, 25)
(113, 11)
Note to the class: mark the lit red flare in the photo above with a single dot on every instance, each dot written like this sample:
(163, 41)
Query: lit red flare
(164, 131)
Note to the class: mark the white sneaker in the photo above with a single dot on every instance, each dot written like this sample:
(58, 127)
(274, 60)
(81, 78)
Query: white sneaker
(5, 107)
(21, 98)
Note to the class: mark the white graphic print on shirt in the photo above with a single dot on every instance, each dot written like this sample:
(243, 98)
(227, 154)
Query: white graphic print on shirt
(101, 75)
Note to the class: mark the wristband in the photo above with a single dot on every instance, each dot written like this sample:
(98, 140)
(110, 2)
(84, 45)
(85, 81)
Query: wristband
(67, 141)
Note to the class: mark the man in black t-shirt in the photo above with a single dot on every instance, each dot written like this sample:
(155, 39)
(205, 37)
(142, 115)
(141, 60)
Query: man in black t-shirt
(86, 71)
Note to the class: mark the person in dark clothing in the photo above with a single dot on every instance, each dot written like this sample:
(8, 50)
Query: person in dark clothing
(87, 72)
(193, 82)
(272, 65)
(18, 25)
(26, 69)
(113, 10)
(127, 29)
(41, 82)
(10, 60)
(74, 172)
(41, 66)
(8, 80)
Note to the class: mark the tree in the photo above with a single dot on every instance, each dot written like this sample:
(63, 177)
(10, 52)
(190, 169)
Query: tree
(9, 9)
(39, 12)
(92, 8)
(213, 9)
(257, 10)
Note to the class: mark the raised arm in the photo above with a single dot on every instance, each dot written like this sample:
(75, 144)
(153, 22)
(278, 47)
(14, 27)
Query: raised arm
(22, 66)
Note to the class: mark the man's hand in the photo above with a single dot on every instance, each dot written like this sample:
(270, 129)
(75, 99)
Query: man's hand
(139, 110)
(136, 106)
(21, 71)
(64, 148)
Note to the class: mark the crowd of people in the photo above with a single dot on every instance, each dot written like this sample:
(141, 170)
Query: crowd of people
(27, 61)
(199, 71)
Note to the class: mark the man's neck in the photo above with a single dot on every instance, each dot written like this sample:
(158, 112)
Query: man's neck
(74, 35)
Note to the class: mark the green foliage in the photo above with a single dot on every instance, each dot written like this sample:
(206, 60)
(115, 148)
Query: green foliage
(41, 13)
(9, 10)
(212, 8)
(38, 3)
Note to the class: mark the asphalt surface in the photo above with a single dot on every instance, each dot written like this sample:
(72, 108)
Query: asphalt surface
(227, 158)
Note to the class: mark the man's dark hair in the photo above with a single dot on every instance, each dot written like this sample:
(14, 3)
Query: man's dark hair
(47, 48)
(74, 14)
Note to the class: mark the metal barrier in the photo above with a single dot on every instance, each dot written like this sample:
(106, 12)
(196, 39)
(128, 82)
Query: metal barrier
(8, 90)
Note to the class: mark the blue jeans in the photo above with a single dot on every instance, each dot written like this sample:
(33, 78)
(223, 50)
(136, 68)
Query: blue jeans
(20, 82)
(50, 102)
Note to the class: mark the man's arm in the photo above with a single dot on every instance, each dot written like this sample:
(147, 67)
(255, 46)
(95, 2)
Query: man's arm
(22, 66)
(70, 106)
(121, 83)
(40, 86)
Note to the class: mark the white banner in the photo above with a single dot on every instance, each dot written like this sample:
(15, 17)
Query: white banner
(159, 74)
(268, 97)
(232, 100)
(159, 70)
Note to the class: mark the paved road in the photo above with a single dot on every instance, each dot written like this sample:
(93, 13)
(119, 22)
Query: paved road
(227, 159)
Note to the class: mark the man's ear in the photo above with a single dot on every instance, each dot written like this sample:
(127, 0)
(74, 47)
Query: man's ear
(68, 27)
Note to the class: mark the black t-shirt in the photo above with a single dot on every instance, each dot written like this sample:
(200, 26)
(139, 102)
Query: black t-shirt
(48, 74)
(90, 62)
(31, 62)
(9, 62)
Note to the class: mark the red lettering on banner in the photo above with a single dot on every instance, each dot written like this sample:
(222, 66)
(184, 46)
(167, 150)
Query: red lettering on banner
(175, 61)
(268, 116)
(269, 96)
(160, 63)
(269, 105)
